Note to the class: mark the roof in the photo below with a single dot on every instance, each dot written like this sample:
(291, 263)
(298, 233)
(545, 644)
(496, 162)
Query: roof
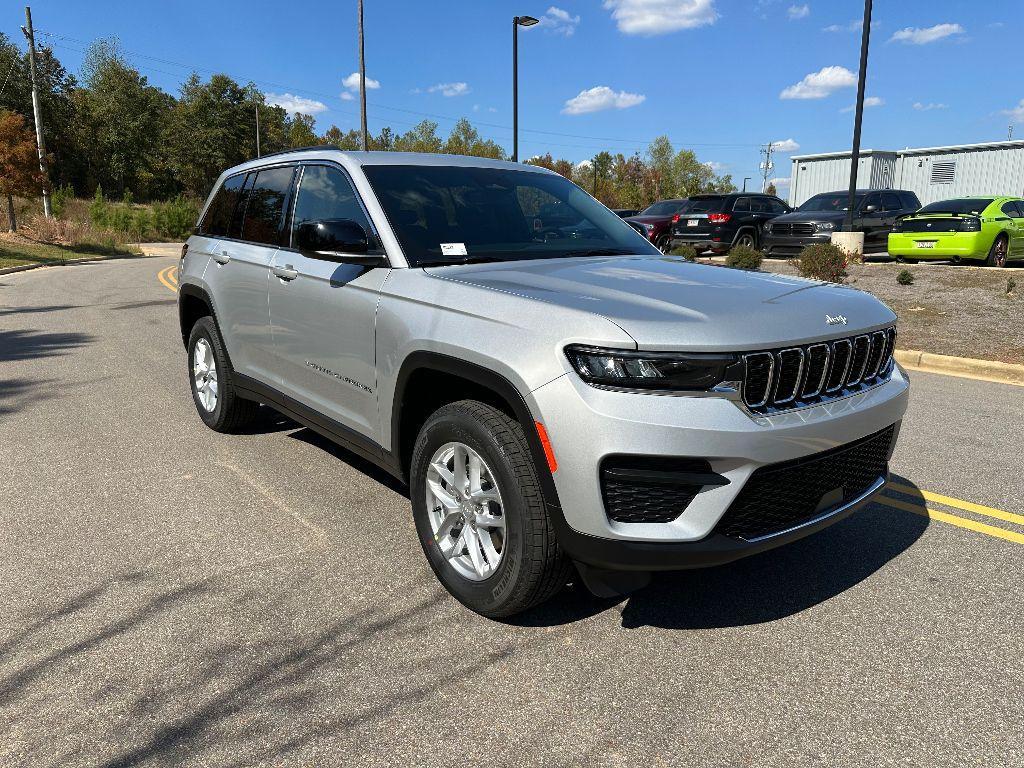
(991, 145)
(387, 158)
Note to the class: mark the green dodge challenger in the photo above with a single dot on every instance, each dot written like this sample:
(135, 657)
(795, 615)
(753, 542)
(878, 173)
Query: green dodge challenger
(985, 228)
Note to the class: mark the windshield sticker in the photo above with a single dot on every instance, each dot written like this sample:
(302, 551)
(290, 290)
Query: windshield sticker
(454, 249)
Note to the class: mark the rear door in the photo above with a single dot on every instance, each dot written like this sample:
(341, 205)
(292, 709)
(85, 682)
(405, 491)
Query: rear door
(323, 311)
(1014, 209)
(871, 223)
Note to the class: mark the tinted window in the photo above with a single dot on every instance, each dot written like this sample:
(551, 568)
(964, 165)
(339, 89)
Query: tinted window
(832, 201)
(742, 204)
(758, 204)
(958, 206)
(1020, 207)
(777, 206)
(326, 193)
(891, 202)
(663, 208)
(1011, 210)
(705, 204)
(496, 214)
(910, 200)
(265, 209)
(874, 199)
(217, 221)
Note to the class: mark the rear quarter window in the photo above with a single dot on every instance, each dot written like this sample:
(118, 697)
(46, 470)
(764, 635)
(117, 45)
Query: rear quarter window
(221, 212)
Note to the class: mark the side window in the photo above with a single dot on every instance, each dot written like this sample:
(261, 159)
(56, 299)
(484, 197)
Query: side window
(326, 193)
(742, 204)
(1020, 207)
(217, 221)
(777, 206)
(265, 209)
(891, 202)
(1011, 210)
(910, 201)
(758, 204)
(874, 199)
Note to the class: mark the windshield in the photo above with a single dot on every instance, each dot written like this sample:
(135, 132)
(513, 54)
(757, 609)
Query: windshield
(834, 201)
(664, 208)
(454, 214)
(961, 206)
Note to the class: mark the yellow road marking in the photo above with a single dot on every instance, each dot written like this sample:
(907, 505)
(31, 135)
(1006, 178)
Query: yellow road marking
(945, 517)
(967, 506)
(168, 277)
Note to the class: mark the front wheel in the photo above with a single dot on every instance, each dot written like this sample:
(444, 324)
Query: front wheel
(746, 240)
(479, 511)
(997, 253)
(663, 244)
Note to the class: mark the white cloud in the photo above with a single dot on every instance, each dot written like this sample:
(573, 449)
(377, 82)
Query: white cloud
(1016, 114)
(820, 84)
(351, 83)
(559, 22)
(659, 17)
(716, 166)
(929, 106)
(798, 11)
(291, 103)
(779, 181)
(346, 96)
(925, 35)
(869, 101)
(854, 26)
(584, 164)
(450, 89)
(785, 146)
(601, 97)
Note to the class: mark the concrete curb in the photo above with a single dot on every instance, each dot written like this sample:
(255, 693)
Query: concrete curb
(966, 367)
(84, 259)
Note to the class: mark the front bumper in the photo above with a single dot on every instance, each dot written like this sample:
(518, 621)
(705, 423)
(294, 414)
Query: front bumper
(586, 425)
(946, 245)
(776, 245)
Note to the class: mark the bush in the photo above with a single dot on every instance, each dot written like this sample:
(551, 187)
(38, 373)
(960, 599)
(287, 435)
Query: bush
(686, 252)
(176, 218)
(99, 209)
(744, 257)
(905, 277)
(59, 199)
(823, 261)
(1011, 285)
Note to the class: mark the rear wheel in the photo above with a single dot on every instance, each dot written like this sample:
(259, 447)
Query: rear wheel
(663, 244)
(747, 240)
(480, 514)
(212, 380)
(997, 253)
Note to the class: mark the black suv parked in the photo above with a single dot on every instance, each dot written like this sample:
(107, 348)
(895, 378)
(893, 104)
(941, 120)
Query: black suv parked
(875, 213)
(718, 222)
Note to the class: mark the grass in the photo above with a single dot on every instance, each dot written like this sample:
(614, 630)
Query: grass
(15, 252)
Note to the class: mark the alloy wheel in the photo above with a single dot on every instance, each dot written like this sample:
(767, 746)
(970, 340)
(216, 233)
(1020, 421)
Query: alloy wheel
(204, 371)
(465, 511)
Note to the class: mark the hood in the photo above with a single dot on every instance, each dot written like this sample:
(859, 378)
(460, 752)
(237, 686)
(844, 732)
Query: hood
(834, 216)
(667, 303)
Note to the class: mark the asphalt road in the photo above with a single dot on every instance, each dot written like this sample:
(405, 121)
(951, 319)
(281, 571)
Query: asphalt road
(171, 596)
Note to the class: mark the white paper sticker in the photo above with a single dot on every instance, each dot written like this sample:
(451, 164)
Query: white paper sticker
(454, 249)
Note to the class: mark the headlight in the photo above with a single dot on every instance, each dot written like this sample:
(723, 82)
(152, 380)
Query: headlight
(680, 371)
(768, 227)
(824, 226)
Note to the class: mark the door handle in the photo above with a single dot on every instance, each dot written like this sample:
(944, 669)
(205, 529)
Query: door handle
(287, 272)
(222, 258)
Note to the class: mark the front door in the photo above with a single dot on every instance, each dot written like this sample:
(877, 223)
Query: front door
(323, 311)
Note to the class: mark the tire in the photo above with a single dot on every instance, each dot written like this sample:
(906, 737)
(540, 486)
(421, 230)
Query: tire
(229, 412)
(663, 244)
(905, 260)
(998, 254)
(531, 566)
(746, 239)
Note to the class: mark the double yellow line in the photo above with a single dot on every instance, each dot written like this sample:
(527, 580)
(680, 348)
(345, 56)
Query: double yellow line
(918, 504)
(169, 277)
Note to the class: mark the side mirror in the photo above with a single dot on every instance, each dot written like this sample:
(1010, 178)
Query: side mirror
(870, 209)
(336, 240)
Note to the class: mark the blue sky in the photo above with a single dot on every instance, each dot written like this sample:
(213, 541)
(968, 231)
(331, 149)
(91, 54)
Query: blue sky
(719, 76)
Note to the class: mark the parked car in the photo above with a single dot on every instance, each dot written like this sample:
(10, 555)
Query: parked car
(718, 222)
(875, 212)
(974, 228)
(426, 313)
(625, 213)
(655, 221)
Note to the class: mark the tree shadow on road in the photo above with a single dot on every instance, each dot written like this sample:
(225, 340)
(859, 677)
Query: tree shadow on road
(31, 344)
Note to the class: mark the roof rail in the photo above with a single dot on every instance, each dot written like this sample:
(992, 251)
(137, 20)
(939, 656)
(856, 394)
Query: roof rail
(299, 149)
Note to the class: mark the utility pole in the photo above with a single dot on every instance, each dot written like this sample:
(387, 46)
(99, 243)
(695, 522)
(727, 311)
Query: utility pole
(865, 40)
(1009, 136)
(745, 180)
(767, 166)
(257, 106)
(362, 81)
(37, 112)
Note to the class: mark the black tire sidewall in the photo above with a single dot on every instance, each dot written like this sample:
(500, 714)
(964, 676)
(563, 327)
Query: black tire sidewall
(205, 329)
(992, 259)
(490, 596)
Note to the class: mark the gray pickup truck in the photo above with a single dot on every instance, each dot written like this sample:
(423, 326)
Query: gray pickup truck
(562, 400)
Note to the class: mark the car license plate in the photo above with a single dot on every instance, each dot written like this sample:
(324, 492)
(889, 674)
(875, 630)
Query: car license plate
(692, 223)
(925, 244)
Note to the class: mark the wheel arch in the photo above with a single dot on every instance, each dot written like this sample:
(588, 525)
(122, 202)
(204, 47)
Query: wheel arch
(193, 303)
(752, 229)
(429, 380)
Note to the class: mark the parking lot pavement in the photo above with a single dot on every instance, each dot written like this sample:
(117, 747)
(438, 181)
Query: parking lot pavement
(172, 596)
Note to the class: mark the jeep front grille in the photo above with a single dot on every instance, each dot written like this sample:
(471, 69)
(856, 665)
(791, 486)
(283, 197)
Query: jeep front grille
(795, 377)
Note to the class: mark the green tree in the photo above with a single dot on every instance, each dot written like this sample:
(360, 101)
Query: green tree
(421, 138)
(300, 130)
(466, 140)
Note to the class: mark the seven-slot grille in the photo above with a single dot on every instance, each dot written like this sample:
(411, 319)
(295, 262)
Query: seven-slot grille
(808, 374)
(793, 228)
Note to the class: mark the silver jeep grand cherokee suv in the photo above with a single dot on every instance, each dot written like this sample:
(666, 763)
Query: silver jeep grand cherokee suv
(557, 394)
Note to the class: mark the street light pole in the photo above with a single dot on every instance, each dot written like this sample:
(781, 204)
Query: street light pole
(517, 21)
(745, 180)
(865, 40)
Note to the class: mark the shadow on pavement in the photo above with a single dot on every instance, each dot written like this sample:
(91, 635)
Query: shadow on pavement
(28, 345)
(4, 311)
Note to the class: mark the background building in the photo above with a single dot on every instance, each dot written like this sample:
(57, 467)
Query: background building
(933, 173)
